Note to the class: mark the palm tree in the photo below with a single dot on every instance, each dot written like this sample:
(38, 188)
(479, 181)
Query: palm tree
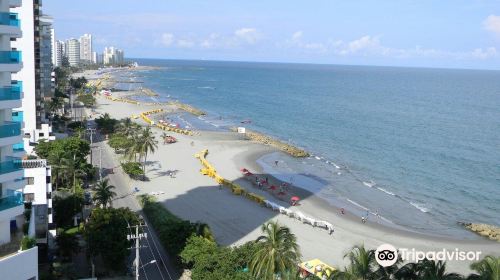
(488, 269)
(362, 263)
(147, 143)
(278, 255)
(104, 193)
(127, 127)
(432, 270)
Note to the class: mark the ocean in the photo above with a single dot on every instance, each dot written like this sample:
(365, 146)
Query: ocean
(420, 147)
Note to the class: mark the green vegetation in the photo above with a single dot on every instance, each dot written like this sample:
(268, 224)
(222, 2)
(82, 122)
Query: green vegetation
(68, 159)
(106, 235)
(119, 142)
(207, 260)
(172, 231)
(104, 193)
(67, 243)
(279, 254)
(133, 169)
(106, 124)
(27, 243)
(87, 99)
(66, 205)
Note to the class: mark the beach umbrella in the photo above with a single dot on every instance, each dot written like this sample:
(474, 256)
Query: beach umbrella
(295, 198)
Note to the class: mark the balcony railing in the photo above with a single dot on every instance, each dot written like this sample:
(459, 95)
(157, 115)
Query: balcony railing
(33, 163)
(10, 57)
(9, 129)
(11, 164)
(9, 19)
(13, 199)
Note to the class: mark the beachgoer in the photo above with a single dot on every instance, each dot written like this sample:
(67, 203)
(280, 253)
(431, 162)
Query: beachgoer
(363, 219)
(267, 180)
(256, 179)
(276, 162)
(367, 213)
(342, 211)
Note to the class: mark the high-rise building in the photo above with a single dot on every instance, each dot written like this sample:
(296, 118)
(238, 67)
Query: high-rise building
(14, 264)
(113, 56)
(46, 86)
(73, 51)
(86, 48)
(35, 76)
(57, 53)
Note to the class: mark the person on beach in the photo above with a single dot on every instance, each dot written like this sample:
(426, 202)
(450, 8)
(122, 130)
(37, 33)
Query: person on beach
(342, 211)
(276, 162)
(363, 219)
(220, 186)
(267, 180)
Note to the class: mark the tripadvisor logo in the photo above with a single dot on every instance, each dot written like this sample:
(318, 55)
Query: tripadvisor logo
(387, 255)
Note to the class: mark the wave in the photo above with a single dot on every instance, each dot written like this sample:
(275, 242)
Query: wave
(207, 87)
(386, 191)
(369, 184)
(357, 204)
(419, 207)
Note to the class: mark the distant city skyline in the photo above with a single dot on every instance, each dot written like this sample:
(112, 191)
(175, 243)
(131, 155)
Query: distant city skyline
(449, 34)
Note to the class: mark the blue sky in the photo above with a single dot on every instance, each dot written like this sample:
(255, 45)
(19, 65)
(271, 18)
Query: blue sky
(423, 33)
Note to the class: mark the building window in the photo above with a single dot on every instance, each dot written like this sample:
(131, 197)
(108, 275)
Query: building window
(40, 134)
(31, 180)
(47, 180)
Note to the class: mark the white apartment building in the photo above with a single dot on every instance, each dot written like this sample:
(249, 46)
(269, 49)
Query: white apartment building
(36, 75)
(86, 48)
(113, 56)
(14, 264)
(38, 191)
(73, 52)
(58, 52)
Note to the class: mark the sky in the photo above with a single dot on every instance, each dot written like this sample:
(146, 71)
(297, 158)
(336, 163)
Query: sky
(415, 33)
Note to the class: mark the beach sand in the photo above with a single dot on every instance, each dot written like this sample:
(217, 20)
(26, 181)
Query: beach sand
(235, 220)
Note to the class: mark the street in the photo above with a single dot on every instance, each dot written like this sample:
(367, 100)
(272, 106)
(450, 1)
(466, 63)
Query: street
(154, 261)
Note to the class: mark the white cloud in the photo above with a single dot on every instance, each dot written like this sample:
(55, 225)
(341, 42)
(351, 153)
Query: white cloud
(484, 54)
(297, 35)
(167, 39)
(492, 24)
(183, 43)
(249, 35)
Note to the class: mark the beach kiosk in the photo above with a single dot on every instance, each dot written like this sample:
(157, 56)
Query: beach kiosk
(316, 267)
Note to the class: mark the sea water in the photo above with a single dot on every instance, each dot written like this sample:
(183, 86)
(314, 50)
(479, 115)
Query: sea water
(421, 147)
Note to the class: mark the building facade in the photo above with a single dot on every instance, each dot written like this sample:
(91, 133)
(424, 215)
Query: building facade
(58, 52)
(86, 49)
(14, 264)
(73, 52)
(113, 56)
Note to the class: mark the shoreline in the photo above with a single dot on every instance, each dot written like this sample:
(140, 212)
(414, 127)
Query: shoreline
(228, 154)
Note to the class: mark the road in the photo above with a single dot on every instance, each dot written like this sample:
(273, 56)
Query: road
(150, 246)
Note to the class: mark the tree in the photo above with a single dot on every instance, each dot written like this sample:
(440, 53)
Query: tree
(278, 255)
(432, 270)
(147, 144)
(362, 263)
(106, 235)
(487, 269)
(106, 124)
(104, 193)
(66, 205)
(68, 244)
(69, 147)
(127, 128)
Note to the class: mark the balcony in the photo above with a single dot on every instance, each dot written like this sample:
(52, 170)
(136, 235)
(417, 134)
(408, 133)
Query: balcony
(10, 97)
(10, 19)
(10, 129)
(13, 199)
(10, 24)
(10, 57)
(9, 165)
(34, 163)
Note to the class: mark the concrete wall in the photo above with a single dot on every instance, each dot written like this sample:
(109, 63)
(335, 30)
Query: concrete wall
(21, 266)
